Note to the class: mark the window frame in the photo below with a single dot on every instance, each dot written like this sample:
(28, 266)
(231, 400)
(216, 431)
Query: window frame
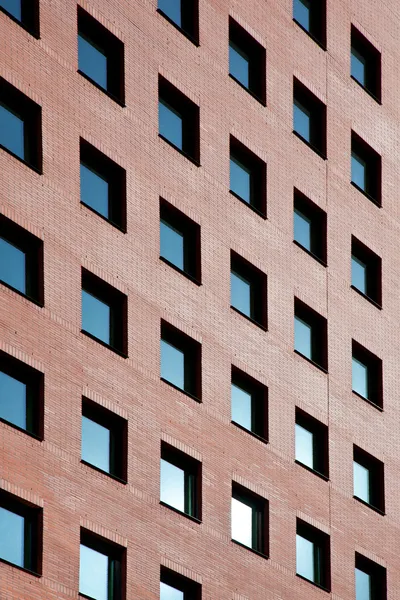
(98, 36)
(377, 573)
(319, 334)
(372, 58)
(259, 403)
(115, 175)
(258, 176)
(260, 519)
(191, 350)
(375, 371)
(376, 469)
(191, 589)
(192, 470)
(190, 115)
(191, 16)
(318, 32)
(317, 109)
(318, 223)
(118, 304)
(190, 231)
(30, 20)
(118, 427)
(320, 443)
(373, 264)
(117, 558)
(247, 44)
(321, 542)
(373, 169)
(258, 290)
(30, 113)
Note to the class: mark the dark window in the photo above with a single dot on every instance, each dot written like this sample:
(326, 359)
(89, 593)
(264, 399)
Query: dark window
(177, 587)
(309, 226)
(24, 12)
(248, 290)
(249, 404)
(180, 241)
(180, 360)
(309, 118)
(310, 334)
(21, 533)
(103, 185)
(184, 14)
(178, 120)
(248, 176)
(104, 312)
(313, 554)
(246, 60)
(311, 443)
(102, 568)
(20, 125)
(365, 169)
(370, 579)
(311, 16)
(367, 374)
(180, 481)
(249, 519)
(21, 395)
(21, 260)
(368, 474)
(104, 439)
(100, 56)
(366, 271)
(365, 64)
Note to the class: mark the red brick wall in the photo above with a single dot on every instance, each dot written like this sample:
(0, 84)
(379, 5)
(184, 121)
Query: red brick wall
(50, 473)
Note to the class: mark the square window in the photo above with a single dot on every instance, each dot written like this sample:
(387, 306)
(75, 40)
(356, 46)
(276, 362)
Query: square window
(103, 185)
(248, 290)
(246, 60)
(249, 519)
(180, 241)
(100, 56)
(21, 533)
(367, 375)
(309, 226)
(313, 555)
(310, 334)
(248, 177)
(102, 568)
(180, 481)
(184, 14)
(21, 395)
(20, 125)
(178, 120)
(104, 313)
(365, 64)
(365, 169)
(177, 587)
(311, 443)
(249, 404)
(309, 118)
(368, 473)
(311, 16)
(366, 271)
(24, 12)
(180, 360)
(104, 440)
(21, 260)
(370, 579)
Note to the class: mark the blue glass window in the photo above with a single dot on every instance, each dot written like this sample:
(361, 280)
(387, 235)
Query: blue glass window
(242, 523)
(304, 446)
(13, 400)
(172, 244)
(361, 482)
(96, 441)
(360, 378)
(301, 13)
(240, 180)
(305, 558)
(172, 364)
(359, 274)
(93, 573)
(173, 10)
(363, 585)
(239, 66)
(12, 537)
(358, 66)
(172, 485)
(167, 592)
(241, 402)
(94, 191)
(302, 120)
(92, 61)
(303, 337)
(170, 124)
(96, 317)
(12, 266)
(12, 133)
(358, 171)
(241, 294)
(302, 229)
(13, 7)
